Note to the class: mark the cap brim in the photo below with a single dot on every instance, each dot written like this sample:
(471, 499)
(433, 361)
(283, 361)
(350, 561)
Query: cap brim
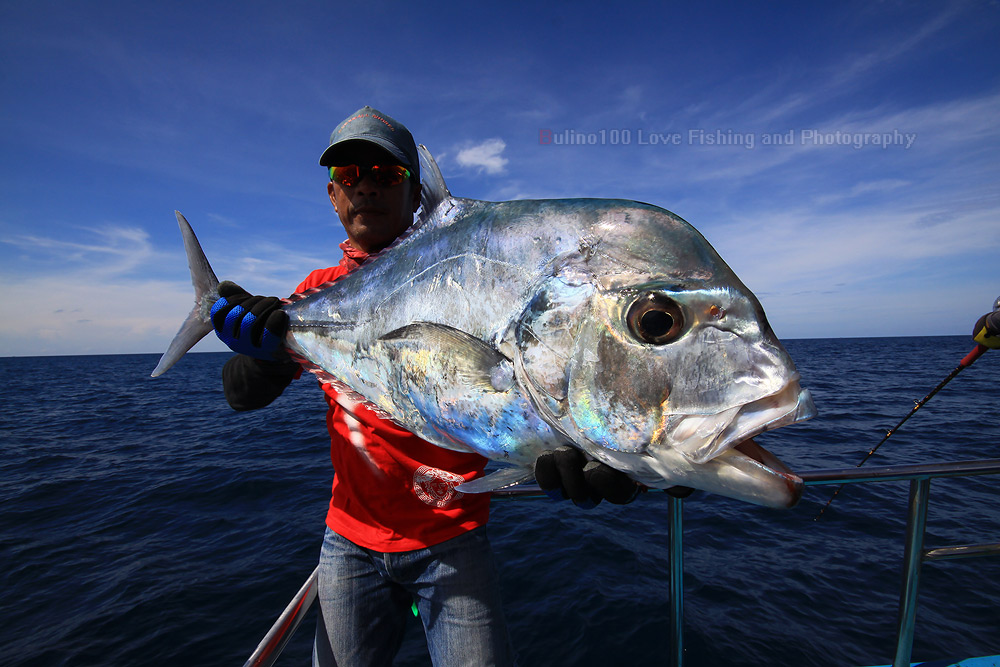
(329, 156)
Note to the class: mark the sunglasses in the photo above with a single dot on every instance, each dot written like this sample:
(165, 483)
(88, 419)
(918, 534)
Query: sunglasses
(382, 174)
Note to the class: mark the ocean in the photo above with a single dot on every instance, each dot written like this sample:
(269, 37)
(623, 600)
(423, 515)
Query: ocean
(146, 523)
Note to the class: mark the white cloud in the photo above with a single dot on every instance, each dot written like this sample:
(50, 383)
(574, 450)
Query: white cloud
(114, 250)
(76, 314)
(878, 270)
(97, 294)
(485, 156)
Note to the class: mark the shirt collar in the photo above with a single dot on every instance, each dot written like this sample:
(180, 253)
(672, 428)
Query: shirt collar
(353, 258)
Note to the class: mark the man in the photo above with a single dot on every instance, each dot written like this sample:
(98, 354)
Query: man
(397, 532)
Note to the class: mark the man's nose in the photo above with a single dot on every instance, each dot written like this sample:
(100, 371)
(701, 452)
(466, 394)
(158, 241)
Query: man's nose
(367, 184)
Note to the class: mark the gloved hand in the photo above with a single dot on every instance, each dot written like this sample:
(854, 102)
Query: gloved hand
(987, 330)
(250, 325)
(566, 472)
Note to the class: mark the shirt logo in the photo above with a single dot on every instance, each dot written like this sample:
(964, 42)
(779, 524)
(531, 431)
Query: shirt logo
(436, 487)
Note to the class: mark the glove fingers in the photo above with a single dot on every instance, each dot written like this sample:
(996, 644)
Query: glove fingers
(229, 290)
(568, 470)
(569, 461)
(260, 307)
(227, 313)
(241, 320)
(561, 471)
(234, 321)
(612, 485)
(546, 474)
(220, 312)
(277, 323)
(275, 328)
(251, 325)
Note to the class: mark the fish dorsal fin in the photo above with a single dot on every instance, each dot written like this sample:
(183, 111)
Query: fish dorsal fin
(434, 190)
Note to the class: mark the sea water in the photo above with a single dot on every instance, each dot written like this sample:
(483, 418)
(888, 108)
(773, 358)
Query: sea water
(144, 522)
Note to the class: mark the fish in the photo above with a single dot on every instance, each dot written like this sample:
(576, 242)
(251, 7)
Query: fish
(512, 328)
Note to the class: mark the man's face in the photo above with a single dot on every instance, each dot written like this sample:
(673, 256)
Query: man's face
(373, 216)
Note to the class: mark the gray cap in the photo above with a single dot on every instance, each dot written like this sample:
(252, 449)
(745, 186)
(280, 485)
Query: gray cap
(368, 124)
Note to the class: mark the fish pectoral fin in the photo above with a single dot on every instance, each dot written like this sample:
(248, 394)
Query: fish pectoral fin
(449, 352)
(500, 479)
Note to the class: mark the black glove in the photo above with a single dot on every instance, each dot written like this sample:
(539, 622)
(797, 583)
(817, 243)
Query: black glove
(987, 330)
(250, 325)
(566, 472)
(253, 383)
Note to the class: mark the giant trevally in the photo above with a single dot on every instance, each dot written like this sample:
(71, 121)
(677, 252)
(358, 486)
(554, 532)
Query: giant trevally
(512, 328)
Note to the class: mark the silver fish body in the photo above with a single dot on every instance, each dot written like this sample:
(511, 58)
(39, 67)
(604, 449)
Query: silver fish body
(512, 328)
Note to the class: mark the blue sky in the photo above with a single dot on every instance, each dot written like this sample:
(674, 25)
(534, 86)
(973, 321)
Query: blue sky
(844, 158)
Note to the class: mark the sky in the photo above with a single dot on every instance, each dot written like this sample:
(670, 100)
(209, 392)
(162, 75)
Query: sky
(842, 157)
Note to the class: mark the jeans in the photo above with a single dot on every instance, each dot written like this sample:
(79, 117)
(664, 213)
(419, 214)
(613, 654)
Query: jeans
(365, 597)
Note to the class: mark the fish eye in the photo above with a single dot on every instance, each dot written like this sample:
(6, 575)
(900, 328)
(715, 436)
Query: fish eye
(655, 318)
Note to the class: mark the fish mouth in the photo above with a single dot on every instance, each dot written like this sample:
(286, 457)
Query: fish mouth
(774, 483)
(701, 438)
(777, 486)
(746, 471)
(775, 468)
(720, 455)
(752, 450)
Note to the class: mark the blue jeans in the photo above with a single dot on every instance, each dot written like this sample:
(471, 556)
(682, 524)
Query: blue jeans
(365, 597)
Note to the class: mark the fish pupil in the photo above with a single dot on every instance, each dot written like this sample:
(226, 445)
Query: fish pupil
(656, 323)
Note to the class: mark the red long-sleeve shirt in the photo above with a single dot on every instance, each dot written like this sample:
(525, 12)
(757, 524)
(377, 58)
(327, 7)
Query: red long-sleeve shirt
(393, 491)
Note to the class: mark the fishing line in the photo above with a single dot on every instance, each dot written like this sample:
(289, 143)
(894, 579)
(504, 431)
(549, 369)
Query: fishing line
(966, 362)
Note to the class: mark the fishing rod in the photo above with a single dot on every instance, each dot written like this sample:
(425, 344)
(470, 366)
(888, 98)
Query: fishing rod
(966, 361)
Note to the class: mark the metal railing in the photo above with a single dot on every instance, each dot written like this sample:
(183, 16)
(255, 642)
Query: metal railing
(273, 643)
(914, 555)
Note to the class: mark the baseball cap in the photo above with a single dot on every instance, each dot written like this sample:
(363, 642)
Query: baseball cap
(368, 124)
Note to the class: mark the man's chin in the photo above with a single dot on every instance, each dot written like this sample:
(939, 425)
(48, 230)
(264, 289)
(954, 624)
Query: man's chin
(372, 232)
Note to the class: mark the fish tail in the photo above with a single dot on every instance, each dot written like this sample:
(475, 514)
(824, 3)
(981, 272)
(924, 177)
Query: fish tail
(206, 293)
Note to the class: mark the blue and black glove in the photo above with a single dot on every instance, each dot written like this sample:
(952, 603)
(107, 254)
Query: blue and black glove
(566, 472)
(987, 330)
(250, 325)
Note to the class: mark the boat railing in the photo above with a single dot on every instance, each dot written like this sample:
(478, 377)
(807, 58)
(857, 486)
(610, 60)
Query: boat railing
(914, 554)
